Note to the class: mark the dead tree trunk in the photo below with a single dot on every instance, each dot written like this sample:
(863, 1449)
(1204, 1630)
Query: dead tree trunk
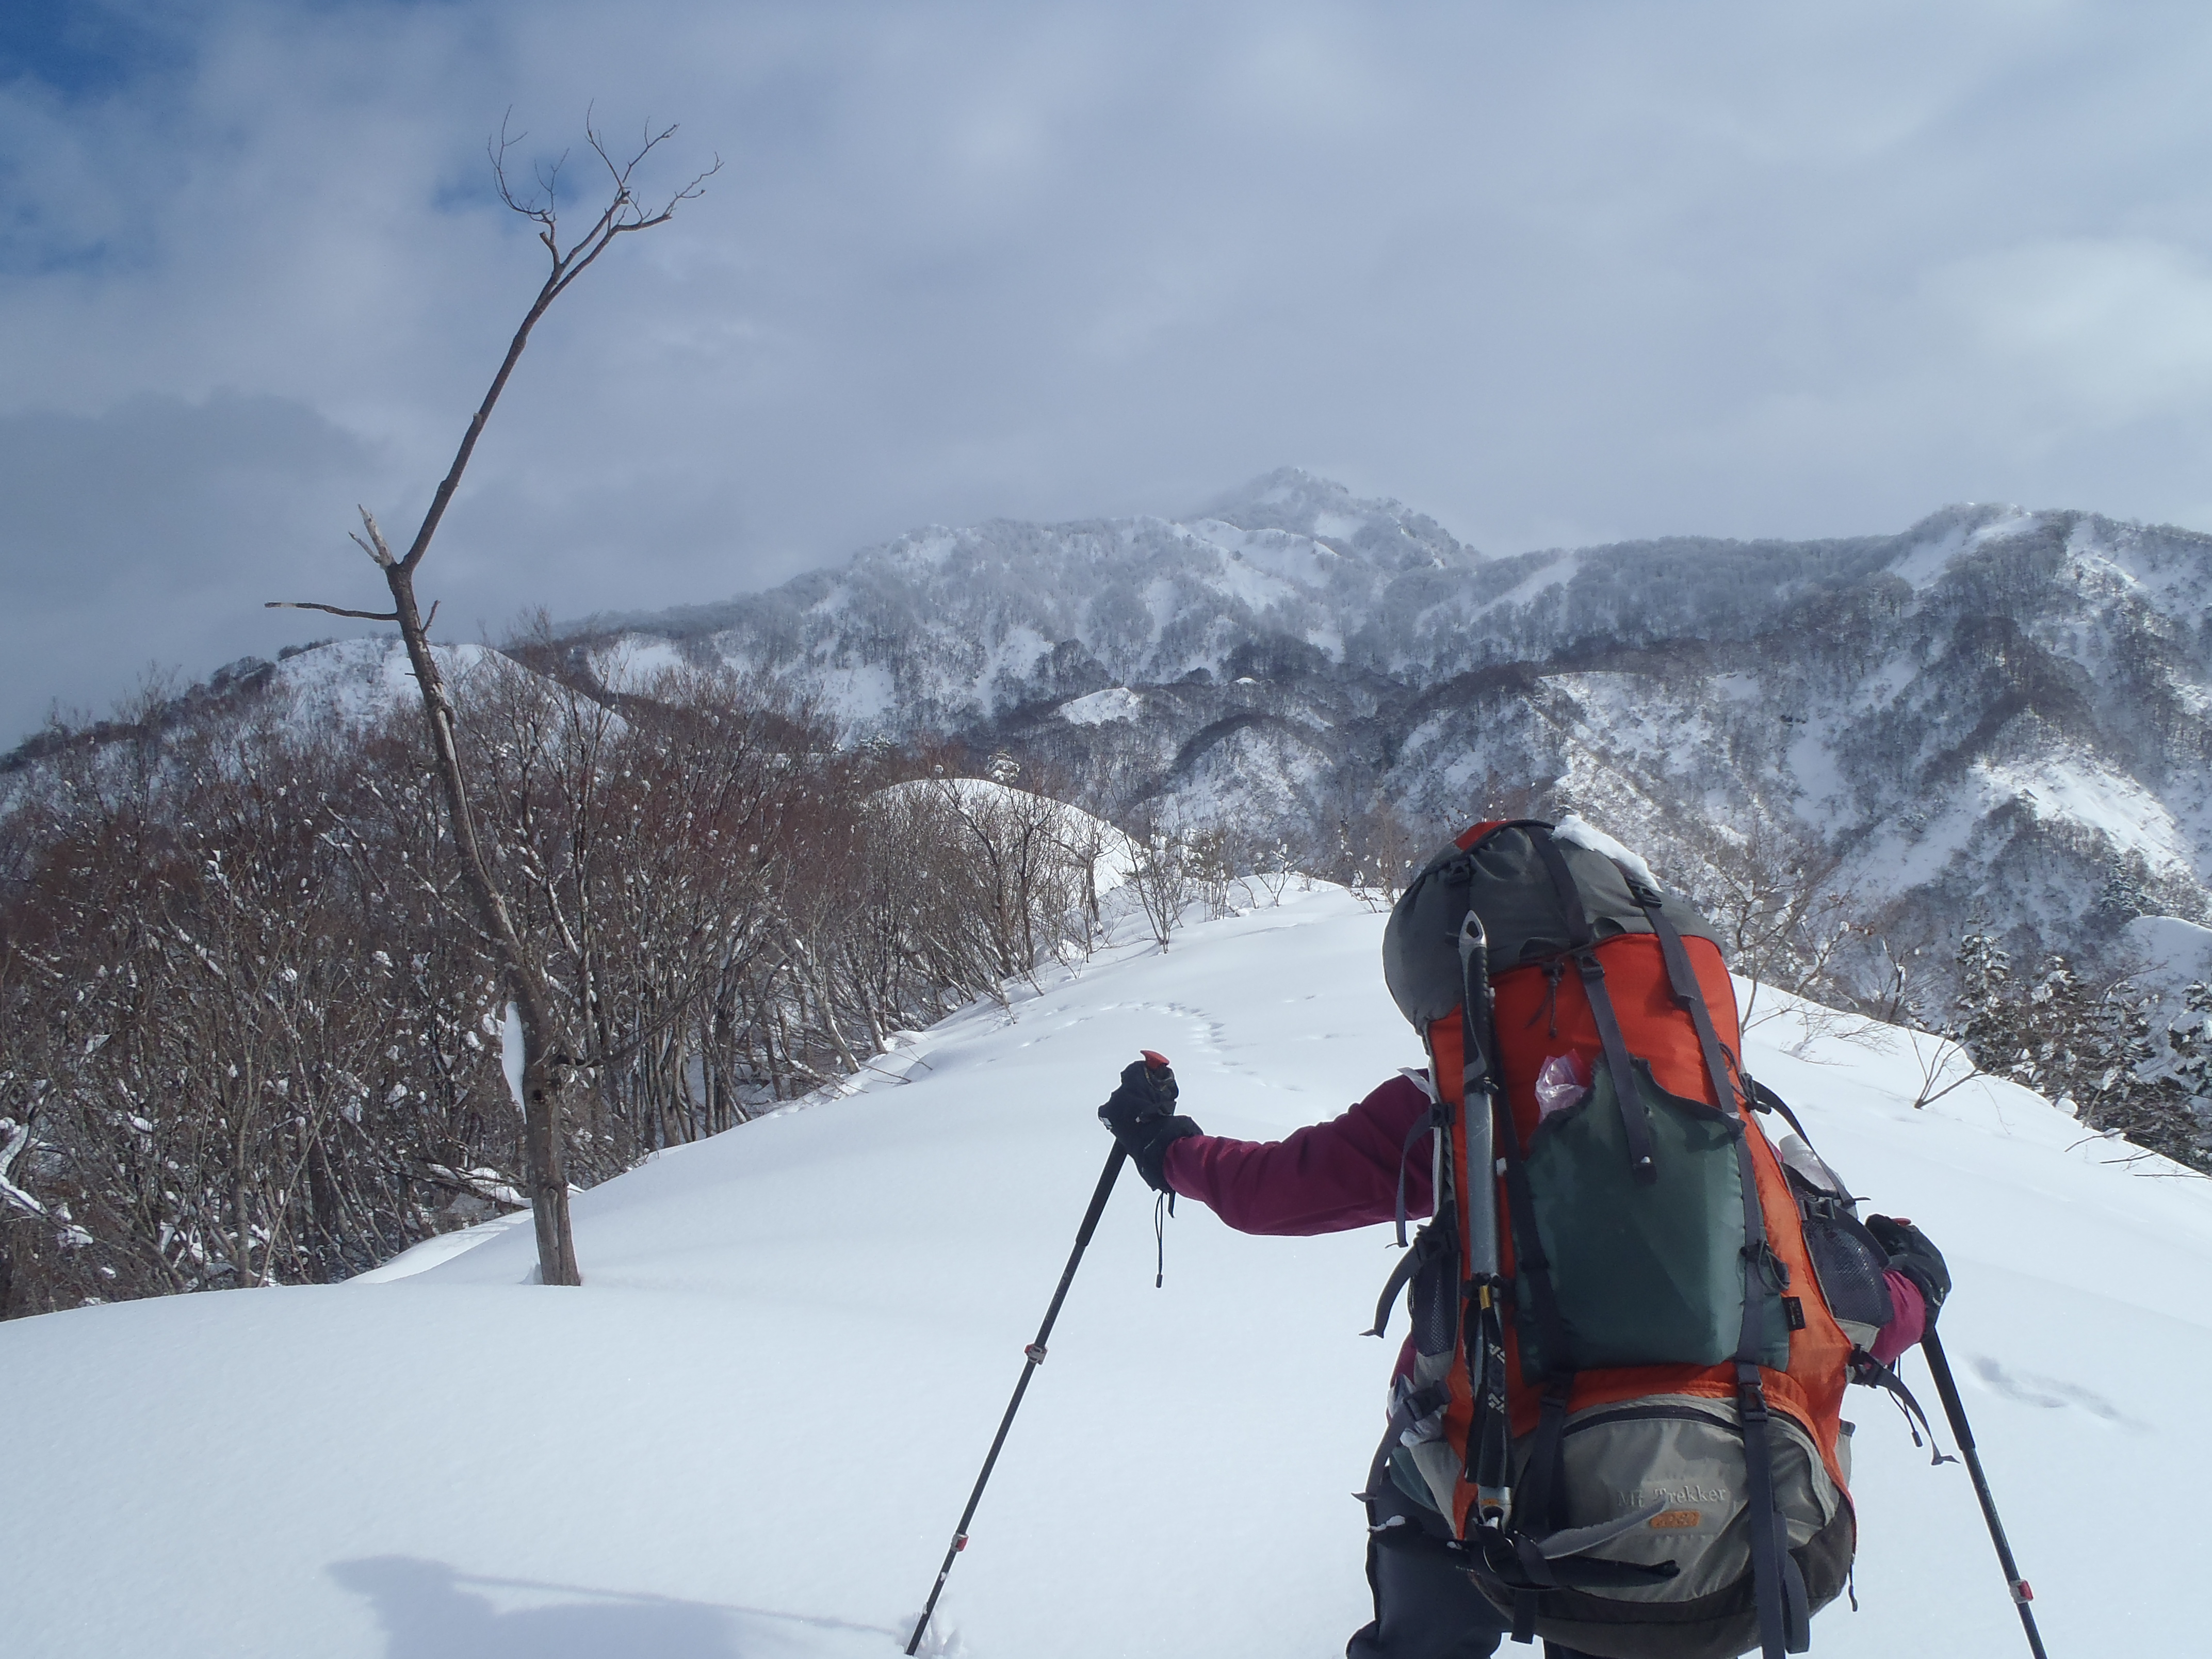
(549, 1063)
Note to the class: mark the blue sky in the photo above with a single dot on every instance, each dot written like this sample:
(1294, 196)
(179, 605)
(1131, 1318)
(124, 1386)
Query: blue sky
(1555, 274)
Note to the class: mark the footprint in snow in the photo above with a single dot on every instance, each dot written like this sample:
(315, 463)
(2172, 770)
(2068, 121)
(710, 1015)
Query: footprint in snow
(2051, 1393)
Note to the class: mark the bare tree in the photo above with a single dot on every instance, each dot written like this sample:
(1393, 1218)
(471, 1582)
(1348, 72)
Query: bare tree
(1771, 891)
(549, 1057)
(1377, 850)
(1160, 873)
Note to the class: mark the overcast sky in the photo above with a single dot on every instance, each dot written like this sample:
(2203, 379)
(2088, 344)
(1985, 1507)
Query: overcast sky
(1554, 273)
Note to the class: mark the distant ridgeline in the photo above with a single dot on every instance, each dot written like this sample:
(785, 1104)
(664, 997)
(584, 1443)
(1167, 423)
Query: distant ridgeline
(1996, 716)
(1955, 777)
(1877, 759)
(1997, 713)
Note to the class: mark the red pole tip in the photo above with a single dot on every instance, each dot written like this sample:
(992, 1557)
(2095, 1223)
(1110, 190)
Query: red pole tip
(1157, 1061)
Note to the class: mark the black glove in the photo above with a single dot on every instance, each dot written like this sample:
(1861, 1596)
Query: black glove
(1910, 1253)
(1138, 1114)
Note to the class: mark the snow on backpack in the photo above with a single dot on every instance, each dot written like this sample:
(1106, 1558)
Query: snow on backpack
(1627, 1384)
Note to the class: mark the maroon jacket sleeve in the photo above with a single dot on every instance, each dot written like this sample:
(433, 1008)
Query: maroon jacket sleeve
(1908, 1321)
(1323, 1178)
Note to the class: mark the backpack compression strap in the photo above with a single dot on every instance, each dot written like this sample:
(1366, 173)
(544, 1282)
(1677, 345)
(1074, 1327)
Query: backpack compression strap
(1581, 943)
(1682, 979)
(1784, 1610)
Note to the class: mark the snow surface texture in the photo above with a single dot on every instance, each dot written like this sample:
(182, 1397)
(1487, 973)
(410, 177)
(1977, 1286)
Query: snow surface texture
(749, 1435)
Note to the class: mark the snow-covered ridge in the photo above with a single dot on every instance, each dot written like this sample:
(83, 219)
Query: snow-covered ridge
(833, 1301)
(357, 683)
(999, 811)
(1115, 703)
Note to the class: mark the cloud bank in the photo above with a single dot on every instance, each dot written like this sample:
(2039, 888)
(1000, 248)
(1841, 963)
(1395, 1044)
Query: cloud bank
(1554, 275)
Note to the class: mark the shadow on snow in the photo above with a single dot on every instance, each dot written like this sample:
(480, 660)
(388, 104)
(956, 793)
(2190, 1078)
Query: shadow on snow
(429, 1610)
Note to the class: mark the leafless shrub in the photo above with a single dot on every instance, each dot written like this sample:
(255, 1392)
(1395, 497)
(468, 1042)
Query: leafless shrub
(1161, 874)
(1942, 1064)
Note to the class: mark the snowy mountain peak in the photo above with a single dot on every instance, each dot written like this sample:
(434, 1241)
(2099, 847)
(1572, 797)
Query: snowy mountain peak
(1380, 530)
(1927, 551)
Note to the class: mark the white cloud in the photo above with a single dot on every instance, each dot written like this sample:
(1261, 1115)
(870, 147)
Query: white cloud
(2120, 328)
(1552, 273)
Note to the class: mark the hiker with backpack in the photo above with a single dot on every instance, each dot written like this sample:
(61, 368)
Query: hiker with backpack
(1616, 1424)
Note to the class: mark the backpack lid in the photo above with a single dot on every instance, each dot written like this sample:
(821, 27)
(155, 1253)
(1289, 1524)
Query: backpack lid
(1495, 869)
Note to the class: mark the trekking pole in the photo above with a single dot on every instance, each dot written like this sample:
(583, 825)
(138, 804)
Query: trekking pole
(1955, 1410)
(1032, 1357)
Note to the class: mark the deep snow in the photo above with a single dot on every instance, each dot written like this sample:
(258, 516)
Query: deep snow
(749, 1435)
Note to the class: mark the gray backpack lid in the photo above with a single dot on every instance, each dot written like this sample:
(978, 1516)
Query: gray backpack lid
(1503, 880)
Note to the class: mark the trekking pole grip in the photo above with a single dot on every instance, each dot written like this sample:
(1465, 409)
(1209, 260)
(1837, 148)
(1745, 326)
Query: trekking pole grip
(1947, 1389)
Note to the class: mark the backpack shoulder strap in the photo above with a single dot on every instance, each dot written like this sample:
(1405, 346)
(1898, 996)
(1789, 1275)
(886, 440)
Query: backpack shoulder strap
(1682, 979)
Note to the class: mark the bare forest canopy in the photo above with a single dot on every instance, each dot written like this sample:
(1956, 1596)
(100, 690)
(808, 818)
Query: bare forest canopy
(254, 1034)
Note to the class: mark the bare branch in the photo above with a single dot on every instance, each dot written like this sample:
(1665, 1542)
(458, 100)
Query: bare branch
(375, 535)
(621, 213)
(497, 148)
(334, 610)
(375, 546)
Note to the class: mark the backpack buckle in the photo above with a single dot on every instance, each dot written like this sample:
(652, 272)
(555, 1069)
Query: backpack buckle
(1751, 1397)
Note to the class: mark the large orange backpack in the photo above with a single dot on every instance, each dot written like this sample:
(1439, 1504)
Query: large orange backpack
(1625, 1398)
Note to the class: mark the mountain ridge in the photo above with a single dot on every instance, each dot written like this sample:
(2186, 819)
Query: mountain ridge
(1995, 714)
(1995, 710)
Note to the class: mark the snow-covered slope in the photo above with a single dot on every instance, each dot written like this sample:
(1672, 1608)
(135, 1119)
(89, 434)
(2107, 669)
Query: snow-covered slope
(1995, 711)
(356, 682)
(749, 1435)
